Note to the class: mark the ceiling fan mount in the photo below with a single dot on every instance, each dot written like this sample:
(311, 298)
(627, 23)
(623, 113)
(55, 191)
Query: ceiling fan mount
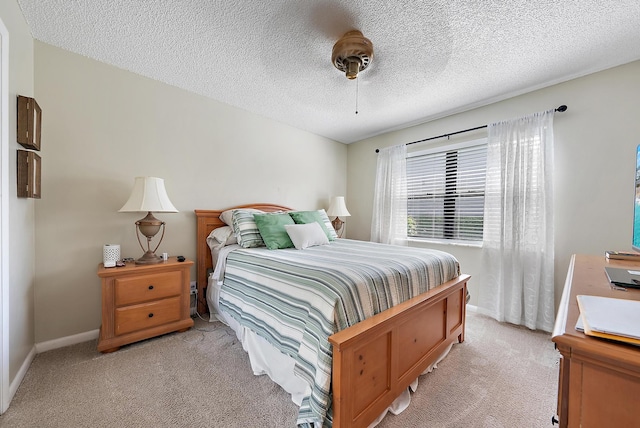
(352, 53)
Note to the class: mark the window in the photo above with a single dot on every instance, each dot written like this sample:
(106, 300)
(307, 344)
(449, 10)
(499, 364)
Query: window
(445, 192)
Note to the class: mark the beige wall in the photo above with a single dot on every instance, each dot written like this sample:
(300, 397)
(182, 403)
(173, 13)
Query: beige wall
(103, 126)
(595, 143)
(21, 211)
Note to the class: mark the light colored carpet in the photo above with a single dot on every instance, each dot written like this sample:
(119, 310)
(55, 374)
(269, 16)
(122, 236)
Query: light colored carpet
(501, 376)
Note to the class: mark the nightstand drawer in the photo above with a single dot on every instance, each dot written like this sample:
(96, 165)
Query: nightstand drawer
(146, 315)
(143, 288)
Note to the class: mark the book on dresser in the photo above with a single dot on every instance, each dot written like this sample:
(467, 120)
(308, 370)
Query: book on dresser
(622, 255)
(610, 318)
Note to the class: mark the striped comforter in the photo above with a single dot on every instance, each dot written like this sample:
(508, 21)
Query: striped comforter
(297, 299)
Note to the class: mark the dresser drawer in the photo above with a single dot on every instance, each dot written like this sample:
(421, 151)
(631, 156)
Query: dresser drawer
(143, 288)
(146, 315)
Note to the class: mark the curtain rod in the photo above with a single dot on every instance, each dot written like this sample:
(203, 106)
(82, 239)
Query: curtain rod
(560, 109)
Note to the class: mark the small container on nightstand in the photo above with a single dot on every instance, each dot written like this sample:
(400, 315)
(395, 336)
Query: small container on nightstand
(143, 301)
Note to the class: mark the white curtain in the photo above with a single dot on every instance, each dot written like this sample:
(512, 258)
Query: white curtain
(517, 282)
(389, 220)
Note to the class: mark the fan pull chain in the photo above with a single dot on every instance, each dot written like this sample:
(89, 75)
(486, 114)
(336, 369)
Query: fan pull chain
(357, 95)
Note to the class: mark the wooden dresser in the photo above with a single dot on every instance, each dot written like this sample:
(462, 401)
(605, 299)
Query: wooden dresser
(599, 380)
(143, 301)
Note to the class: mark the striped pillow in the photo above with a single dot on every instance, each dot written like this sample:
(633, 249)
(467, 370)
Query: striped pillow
(246, 229)
(327, 223)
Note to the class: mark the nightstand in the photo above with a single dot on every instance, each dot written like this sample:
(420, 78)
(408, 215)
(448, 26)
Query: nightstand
(143, 301)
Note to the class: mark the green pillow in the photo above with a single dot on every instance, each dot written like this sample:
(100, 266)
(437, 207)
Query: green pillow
(318, 216)
(271, 227)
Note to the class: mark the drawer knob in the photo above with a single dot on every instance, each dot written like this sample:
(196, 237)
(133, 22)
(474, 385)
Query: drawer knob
(151, 315)
(151, 287)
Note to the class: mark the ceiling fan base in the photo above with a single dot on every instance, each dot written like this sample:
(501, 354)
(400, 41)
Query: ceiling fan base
(352, 53)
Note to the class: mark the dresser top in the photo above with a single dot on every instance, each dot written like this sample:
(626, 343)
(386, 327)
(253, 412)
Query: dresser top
(587, 276)
(131, 268)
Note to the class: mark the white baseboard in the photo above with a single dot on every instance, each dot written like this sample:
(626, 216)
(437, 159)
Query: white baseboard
(21, 374)
(472, 308)
(66, 341)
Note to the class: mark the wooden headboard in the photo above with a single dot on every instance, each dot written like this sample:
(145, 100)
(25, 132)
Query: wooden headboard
(207, 221)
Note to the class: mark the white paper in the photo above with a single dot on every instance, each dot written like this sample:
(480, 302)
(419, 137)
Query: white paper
(618, 317)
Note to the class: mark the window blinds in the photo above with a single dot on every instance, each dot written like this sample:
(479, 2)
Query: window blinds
(445, 190)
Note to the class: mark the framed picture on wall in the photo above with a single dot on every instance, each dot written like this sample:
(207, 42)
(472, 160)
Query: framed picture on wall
(29, 168)
(29, 123)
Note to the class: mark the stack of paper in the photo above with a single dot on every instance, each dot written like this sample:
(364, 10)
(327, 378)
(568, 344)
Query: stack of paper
(616, 319)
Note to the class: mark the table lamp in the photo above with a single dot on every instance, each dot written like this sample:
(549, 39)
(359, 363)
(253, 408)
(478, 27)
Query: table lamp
(338, 209)
(149, 195)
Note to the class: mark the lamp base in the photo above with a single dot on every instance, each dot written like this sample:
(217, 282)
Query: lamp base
(149, 226)
(149, 258)
(337, 223)
(337, 226)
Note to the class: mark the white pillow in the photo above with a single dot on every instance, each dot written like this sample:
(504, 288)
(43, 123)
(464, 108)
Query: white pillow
(227, 216)
(306, 235)
(221, 236)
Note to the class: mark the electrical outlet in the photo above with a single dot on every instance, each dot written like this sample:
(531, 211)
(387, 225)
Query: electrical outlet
(193, 294)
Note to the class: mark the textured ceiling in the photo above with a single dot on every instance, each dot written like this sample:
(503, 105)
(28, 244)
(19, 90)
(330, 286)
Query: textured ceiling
(431, 58)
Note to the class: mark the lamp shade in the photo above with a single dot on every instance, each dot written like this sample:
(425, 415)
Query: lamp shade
(148, 195)
(338, 207)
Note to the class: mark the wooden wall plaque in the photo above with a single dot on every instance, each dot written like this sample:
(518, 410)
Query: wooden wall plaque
(29, 123)
(29, 166)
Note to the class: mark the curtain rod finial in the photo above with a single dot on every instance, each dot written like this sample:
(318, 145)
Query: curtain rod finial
(562, 108)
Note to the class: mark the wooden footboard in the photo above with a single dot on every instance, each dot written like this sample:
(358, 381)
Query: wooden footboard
(376, 359)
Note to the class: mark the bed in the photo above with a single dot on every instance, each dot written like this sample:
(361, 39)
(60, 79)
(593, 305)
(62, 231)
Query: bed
(379, 356)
